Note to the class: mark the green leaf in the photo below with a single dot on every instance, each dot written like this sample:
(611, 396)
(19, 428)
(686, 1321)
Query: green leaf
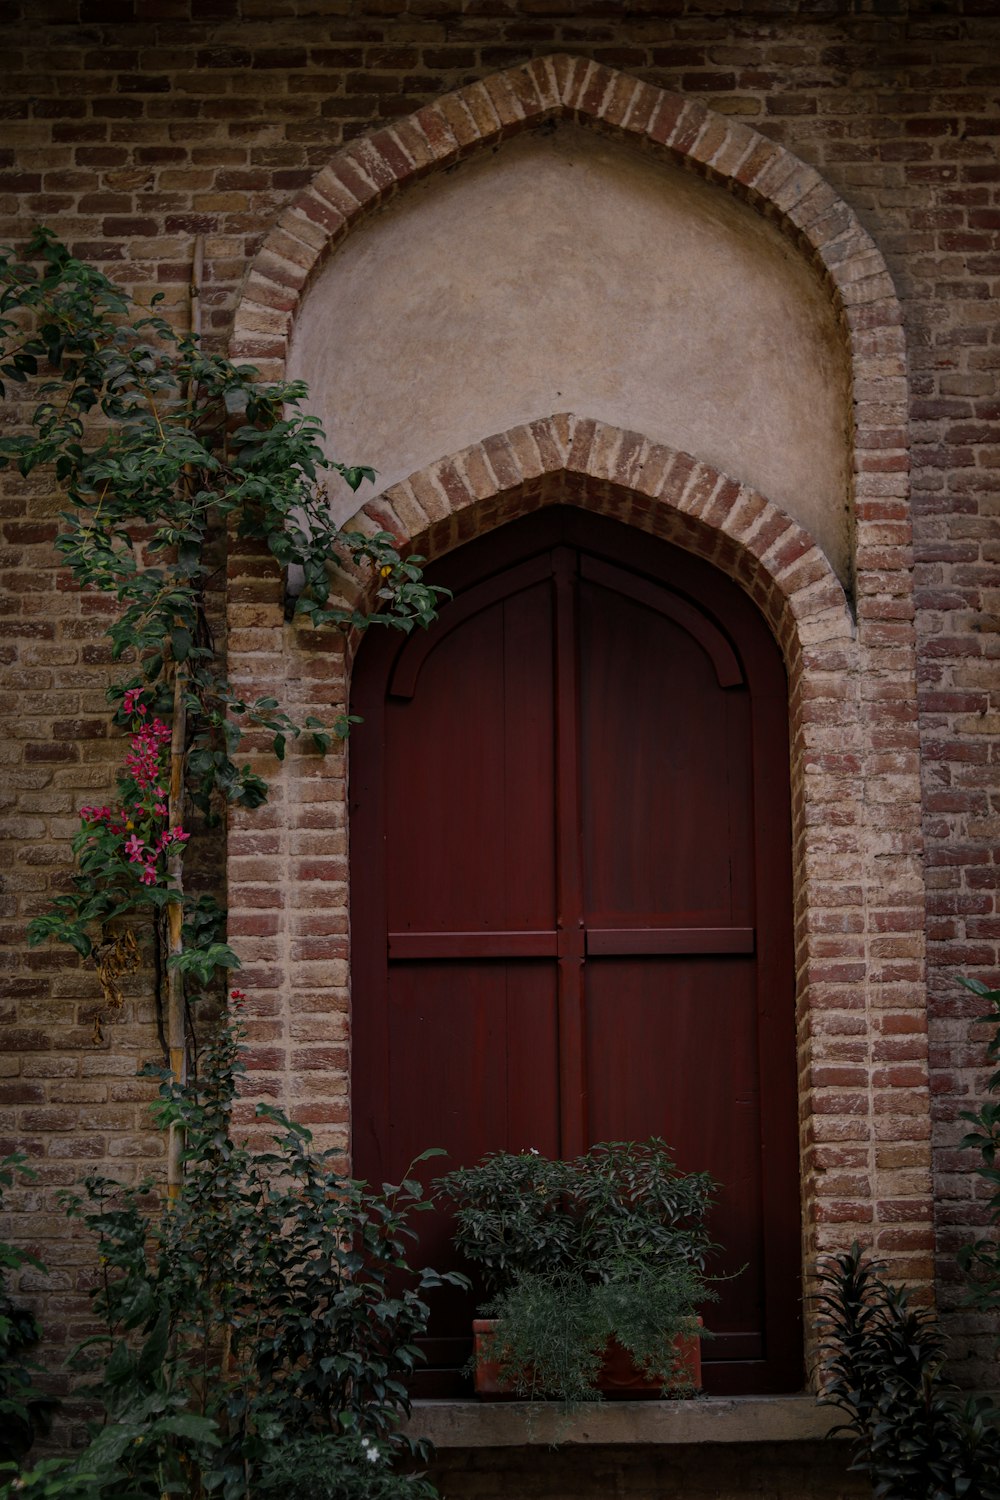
(154, 1350)
(180, 643)
(120, 1367)
(189, 1425)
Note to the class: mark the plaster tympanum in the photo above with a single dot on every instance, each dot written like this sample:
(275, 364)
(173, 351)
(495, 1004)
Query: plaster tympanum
(568, 271)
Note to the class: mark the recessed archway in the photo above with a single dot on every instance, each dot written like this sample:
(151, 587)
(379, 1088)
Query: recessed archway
(859, 893)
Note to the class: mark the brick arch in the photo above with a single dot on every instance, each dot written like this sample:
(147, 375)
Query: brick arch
(864, 1108)
(860, 1009)
(366, 173)
(651, 486)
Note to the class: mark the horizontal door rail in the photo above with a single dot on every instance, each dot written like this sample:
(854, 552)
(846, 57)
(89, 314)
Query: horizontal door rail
(612, 941)
(608, 942)
(445, 945)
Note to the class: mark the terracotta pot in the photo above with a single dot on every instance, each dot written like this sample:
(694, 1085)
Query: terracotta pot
(619, 1379)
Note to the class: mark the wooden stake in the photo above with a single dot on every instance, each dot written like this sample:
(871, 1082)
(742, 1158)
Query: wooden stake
(176, 1017)
(176, 1027)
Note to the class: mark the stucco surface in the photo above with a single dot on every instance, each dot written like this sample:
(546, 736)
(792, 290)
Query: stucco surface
(566, 271)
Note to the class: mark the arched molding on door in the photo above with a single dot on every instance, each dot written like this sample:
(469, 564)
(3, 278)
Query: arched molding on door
(860, 1011)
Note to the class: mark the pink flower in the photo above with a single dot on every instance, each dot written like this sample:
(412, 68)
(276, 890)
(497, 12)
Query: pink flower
(134, 848)
(160, 808)
(95, 814)
(179, 834)
(148, 876)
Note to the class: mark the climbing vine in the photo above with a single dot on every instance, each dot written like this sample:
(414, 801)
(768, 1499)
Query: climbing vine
(160, 448)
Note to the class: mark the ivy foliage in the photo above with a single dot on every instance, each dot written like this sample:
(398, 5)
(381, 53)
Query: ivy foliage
(160, 448)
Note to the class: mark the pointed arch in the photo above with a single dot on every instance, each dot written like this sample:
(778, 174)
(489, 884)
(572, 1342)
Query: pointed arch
(366, 173)
(859, 903)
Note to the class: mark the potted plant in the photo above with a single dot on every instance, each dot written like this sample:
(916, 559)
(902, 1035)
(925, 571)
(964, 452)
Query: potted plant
(595, 1266)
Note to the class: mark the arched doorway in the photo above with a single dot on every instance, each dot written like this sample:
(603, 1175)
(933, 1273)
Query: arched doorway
(571, 895)
(859, 880)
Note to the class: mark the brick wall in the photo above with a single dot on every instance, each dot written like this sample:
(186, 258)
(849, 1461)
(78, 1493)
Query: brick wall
(129, 127)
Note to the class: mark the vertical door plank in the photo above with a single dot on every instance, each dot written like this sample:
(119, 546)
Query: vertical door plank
(572, 1080)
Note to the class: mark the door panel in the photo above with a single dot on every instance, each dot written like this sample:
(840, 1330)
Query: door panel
(672, 1051)
(666, 823)
(571, 898)
(471, 771)
(472, 1056)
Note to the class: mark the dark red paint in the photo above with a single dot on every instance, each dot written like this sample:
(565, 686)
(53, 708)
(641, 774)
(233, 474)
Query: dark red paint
(570, 856)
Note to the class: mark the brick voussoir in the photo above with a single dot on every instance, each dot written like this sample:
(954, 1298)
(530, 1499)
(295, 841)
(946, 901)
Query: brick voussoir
(576, 76)
(525, 451)
(407, 507)
(645, 102)
(389, 148)
(272, 267)
(307, 234)
(542, 72)
(313, 206)
(601, 458)
(597, 91)
(503, 462)
(620, 100)
(435, 124)
(472, 465)
(478, 103)
(411, 141)
(735, 149)
(430, 494)
(329, 184)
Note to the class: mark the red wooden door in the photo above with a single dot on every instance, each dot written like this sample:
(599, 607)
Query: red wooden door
(571, 906)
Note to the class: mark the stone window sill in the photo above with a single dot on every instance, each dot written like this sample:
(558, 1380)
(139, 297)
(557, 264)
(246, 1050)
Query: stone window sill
(710, 1419)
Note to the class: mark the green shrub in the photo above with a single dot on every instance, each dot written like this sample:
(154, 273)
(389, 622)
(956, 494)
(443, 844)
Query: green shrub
(263, 1322)
(882, 1367)
(24, 1409)
(981, 1260)
(610, 1245)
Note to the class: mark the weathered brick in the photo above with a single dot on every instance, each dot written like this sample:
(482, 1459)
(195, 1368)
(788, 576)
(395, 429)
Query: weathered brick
(142, 135)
